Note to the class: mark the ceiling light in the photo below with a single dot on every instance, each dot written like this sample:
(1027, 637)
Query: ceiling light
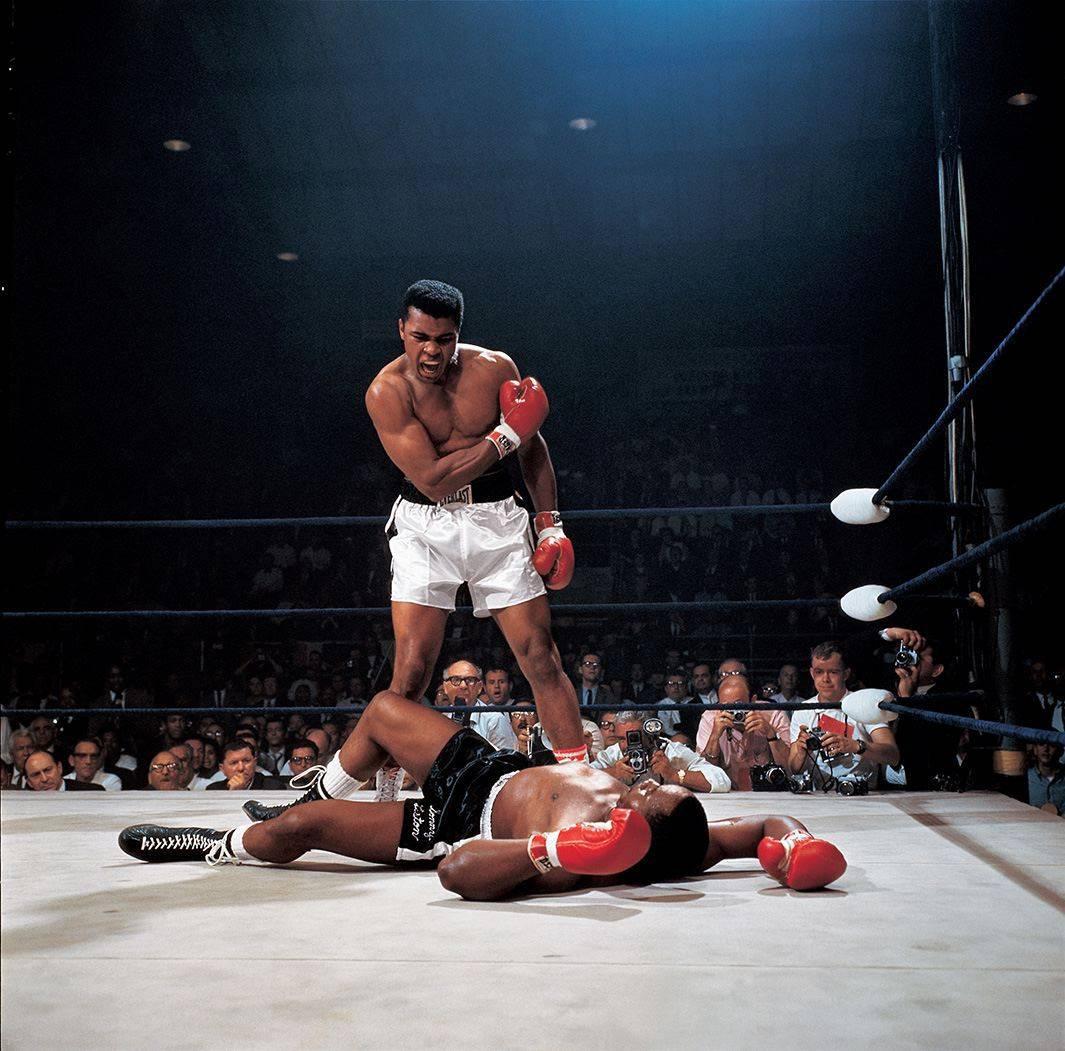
(1022, 98)
(176, 145)
(582, 124)
(288, 257)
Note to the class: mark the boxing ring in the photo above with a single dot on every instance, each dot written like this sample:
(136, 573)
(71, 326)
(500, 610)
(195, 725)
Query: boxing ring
(947, 931)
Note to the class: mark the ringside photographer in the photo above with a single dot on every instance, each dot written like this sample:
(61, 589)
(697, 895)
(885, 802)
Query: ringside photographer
(751, 747)
(829, 749)
(642, 751)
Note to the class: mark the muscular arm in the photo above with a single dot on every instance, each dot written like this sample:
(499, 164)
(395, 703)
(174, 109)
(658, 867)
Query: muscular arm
(882, 748)
(409, 447)
(738, 837)
(489, 869)
(539, 473)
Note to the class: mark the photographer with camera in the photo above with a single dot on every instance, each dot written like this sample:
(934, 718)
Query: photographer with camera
(643, 751)
(829, 747)
(746, 741)
(931, 757)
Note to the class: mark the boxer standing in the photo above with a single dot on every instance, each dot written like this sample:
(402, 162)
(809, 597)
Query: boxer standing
(448, 414)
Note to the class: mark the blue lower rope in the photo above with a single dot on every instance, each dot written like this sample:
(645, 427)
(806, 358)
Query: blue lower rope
(959, 401)
(514, 706)
(1023, 733)
(557, 609)
(981, 551)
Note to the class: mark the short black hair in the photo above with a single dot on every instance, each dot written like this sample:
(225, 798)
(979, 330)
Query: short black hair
(679, 842)
(303, 742)
(435, 299)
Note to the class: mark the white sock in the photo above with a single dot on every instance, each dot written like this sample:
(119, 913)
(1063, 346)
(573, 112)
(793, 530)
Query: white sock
(337, 782)
(236, 844)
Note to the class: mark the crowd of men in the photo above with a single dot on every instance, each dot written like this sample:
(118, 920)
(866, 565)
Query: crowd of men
(761, 748)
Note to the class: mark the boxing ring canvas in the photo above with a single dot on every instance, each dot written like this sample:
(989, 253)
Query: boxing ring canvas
(947, 931)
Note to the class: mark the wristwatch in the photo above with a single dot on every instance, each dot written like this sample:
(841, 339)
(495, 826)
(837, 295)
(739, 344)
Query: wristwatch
(861, 747)
(681, 774)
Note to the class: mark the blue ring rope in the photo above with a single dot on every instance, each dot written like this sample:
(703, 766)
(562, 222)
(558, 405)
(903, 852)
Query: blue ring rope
(557, 609)
(959, 401)
(976, 554)
(1022, 733)
(380, 520)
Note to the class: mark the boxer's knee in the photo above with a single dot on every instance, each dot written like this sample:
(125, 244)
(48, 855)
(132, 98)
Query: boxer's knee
(410, 678)
(539, 659)
(287, 836)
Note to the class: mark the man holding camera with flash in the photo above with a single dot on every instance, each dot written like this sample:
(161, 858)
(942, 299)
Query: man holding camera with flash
(832, 747)
(642, 751)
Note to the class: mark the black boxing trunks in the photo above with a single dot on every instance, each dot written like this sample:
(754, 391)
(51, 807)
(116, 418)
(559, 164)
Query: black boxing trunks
(495, 484)
(454, 795)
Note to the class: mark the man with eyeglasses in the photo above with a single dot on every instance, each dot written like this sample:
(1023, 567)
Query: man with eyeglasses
(676, 686)
(164, 773)
(303, 755)
(87, 760)
(590, 690)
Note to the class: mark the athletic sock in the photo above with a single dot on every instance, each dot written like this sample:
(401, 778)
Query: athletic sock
(236, 845)
(336, 782)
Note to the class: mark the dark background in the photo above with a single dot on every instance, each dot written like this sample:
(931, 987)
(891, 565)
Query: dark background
(757, 202)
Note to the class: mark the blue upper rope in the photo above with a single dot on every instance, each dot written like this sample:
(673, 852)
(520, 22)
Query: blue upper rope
(379, 520)
(959, 401)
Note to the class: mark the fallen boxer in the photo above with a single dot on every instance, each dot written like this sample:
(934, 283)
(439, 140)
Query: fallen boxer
(497, 825)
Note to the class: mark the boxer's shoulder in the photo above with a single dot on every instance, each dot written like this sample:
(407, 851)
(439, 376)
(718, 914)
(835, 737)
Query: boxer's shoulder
(484, 360)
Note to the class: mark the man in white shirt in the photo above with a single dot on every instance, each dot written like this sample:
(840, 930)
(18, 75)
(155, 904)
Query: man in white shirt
(495, 727)
(788, 683)
(849, 750)
(673, 764)
(87, 760)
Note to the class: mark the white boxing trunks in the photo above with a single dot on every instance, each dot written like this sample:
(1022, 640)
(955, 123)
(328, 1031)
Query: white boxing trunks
(437, 548)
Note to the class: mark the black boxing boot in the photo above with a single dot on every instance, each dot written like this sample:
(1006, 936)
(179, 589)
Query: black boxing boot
(311, 779)
(159, 843)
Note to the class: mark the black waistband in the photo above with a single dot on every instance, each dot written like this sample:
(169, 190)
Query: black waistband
(495, 485)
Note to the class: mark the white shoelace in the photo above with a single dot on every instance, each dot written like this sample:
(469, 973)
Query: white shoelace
(219, 854)
(309, 777)
(215, 850)
(388, 785)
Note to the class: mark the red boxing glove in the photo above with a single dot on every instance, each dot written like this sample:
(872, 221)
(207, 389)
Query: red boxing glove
(801, 862)
(523, 407)
(553, 557)
(594, 848)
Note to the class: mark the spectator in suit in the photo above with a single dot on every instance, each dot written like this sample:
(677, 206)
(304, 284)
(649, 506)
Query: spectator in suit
(590, 689)
(44, 773)
(238, 766)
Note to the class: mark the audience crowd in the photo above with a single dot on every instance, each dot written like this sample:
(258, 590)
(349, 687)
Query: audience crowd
(619, 680)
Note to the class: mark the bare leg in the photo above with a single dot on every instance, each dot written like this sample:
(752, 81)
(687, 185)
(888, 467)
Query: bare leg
(366, 831)
(419, 632)
(527, 629)
(411, 733)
